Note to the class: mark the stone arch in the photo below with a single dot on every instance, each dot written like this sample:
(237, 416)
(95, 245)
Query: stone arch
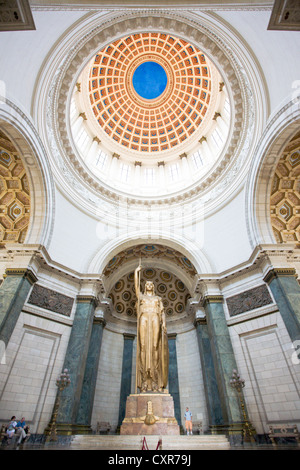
(279, 132)
(190, 249)
(20, 131)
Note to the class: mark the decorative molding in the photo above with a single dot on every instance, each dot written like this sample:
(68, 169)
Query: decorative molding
(275, 273)
(257, 313)
(99, 320)
(51, 300)
(16, 15)
(87, 299)
(129, 336)
(249, 300)
(285, 16)
(212, 299)
(172, 336)
(24, 272)
(200, 321)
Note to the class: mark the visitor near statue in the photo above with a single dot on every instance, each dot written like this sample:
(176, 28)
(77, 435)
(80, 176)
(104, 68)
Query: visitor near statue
(188, 421)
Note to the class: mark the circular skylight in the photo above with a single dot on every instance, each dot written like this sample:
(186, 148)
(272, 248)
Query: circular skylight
(149, 80)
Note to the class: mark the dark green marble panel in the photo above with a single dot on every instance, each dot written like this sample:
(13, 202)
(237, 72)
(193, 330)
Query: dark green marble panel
(75, 361)
(213, 401)
(13, 293)
(286, 292)
(173, 378)
(90, 376)
(224, 361)
(126, 375)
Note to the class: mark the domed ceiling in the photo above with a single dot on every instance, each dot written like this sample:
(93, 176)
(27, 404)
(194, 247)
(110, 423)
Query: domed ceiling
(149, 99)
(150, 92)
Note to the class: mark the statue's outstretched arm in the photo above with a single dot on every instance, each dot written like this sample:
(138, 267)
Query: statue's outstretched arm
(137, 281)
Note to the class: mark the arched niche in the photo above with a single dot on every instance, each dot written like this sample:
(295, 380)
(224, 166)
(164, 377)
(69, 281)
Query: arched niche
(279, 133)
(18, 129)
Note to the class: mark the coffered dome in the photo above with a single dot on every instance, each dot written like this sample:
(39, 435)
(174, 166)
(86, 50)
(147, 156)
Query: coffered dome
(150, 100)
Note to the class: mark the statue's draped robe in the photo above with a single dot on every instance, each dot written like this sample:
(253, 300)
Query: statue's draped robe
(152, 375)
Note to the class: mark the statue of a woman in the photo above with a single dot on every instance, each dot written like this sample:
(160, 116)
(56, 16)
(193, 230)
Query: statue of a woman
(152, 345)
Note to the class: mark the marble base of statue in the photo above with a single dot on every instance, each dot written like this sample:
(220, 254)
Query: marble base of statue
(150, 413)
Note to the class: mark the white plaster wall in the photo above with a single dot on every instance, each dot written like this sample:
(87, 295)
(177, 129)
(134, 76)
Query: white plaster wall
(74, 239)
(108, 386)
(191, 387)
(77, 237)
(276, 52)
(226, 242)
(264, 355)
(33, 360)
(23, 53)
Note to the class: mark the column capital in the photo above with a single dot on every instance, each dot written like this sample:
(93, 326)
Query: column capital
(207, 286)
(212, 299)
(274, 273)
(172, 335)
(200, 321)
(87, 299)
(99, 321)
(129, 336)
(22, 272)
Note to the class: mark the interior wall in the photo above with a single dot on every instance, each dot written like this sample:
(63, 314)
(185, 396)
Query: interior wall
(108, 385)
(33, 360)
(190, 378)
(266, 360)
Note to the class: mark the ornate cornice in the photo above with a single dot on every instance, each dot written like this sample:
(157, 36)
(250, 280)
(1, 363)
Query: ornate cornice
(212, 299)
(22, 272)
(87, 299)
(275, 273)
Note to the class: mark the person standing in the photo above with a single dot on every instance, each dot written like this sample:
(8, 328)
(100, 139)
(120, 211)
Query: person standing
(188, 421)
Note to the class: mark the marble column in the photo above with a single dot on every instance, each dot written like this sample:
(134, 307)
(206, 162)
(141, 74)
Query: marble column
(13, 293)
(75, 362)
(224, 362)
(126, 375)
(173, 376)
(84, 416)
(213, 401)
(286, 291)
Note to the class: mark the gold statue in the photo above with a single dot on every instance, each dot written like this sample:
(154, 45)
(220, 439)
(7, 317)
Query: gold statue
(152, 341)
